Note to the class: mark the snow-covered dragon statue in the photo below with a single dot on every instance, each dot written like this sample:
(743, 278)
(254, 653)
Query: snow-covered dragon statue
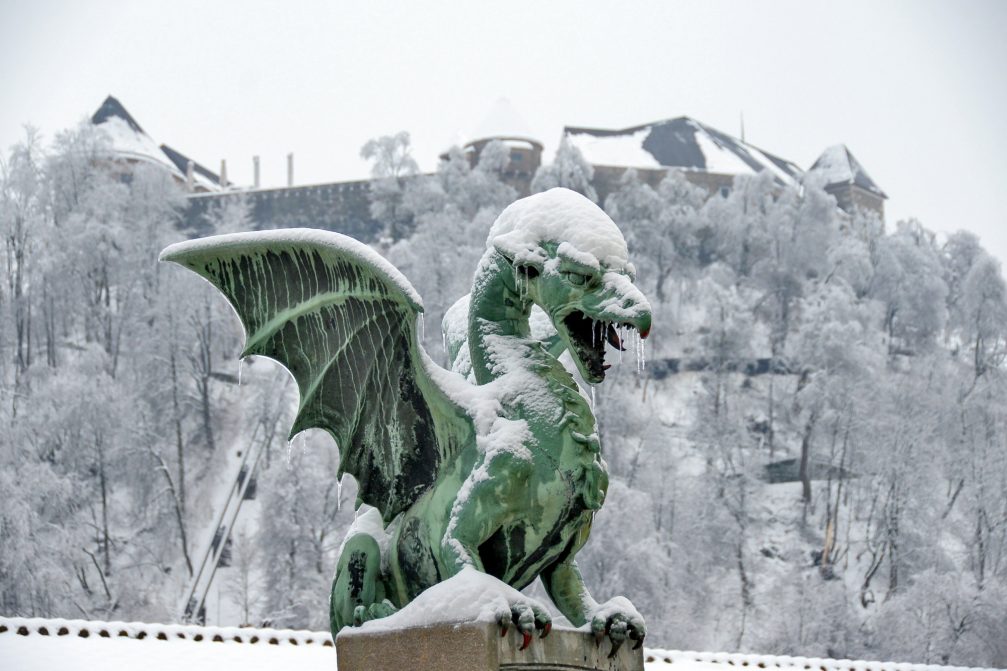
(502, 476)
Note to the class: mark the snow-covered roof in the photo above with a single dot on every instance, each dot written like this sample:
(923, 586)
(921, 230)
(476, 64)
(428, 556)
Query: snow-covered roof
(503, 122)
(682, 143)
(202, 175)
(130, 141)
(837, 165)
(128, 138)
(84, 645)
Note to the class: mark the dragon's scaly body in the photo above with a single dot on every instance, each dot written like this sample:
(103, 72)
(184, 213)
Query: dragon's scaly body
(503, 476)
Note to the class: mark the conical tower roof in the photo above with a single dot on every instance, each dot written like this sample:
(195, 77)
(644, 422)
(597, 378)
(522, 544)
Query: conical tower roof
(837, 166)
(131, 142)
(112, 108)
(503, 122)
(128, 139)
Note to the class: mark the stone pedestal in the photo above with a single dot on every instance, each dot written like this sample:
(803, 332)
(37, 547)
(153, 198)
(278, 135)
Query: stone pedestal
(478, 647)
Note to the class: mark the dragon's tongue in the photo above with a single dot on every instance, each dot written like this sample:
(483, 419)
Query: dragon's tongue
(614, 340)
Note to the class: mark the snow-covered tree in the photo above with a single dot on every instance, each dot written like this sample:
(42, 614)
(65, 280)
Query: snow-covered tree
(908, 281)
(661, 225)
(873, 361)
(392, 166)
(569, 169)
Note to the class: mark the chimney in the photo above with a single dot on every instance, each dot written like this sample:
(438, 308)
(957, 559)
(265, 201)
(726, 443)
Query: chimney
(290, 169)
(255, 171)
(189, 178)
(223, 172)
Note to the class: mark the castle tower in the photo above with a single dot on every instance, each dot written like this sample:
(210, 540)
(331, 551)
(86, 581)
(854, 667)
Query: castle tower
(130, 143)
(846, 180)
(503, 123)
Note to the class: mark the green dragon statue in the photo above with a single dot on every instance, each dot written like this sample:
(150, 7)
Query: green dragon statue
(502, 472)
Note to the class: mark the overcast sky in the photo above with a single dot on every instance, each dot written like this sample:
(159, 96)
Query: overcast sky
(917, 90)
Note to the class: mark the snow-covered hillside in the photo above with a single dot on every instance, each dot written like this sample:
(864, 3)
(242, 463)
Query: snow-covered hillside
(812, 462)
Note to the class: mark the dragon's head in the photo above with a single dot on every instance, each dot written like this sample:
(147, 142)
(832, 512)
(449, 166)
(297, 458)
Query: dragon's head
(571, 260)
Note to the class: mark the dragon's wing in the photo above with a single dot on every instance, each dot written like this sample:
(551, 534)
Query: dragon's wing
(343, 322)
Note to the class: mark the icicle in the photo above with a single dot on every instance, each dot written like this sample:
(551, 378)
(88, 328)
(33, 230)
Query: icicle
(639, 351)
(290, 453)
(241, 365)
(638, 345)
(635, 344)
(592, 397)
(518, 285)
(643, 355)
(622, 342)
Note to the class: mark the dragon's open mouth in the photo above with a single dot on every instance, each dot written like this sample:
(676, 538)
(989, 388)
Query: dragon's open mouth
(588, 337)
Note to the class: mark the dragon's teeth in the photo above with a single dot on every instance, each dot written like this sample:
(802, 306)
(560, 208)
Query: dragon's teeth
(614, 340)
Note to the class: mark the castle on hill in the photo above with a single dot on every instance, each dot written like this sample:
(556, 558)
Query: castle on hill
(706, 156)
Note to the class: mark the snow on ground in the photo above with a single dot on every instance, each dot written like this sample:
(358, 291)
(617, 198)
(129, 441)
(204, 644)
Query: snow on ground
(657, 660)
(57, 645)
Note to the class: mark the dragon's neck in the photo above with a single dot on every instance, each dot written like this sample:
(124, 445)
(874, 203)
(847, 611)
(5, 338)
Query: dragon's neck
(498, 313)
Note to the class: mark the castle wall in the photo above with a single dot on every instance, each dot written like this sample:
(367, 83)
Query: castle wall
(341, 207)
(525, 159)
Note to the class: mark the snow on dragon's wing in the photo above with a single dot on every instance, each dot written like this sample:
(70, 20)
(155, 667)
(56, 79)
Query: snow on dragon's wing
(342, 320)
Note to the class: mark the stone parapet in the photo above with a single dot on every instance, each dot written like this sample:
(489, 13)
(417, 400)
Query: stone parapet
(478, 647)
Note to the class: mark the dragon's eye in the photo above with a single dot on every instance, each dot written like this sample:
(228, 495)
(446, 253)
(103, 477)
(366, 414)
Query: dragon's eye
(576, 278)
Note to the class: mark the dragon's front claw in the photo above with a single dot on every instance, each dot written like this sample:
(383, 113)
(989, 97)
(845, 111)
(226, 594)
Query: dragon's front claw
(617, 633)
(618, 620)
(637, 636)
(543, 620)
(527, 617)
(524, 619)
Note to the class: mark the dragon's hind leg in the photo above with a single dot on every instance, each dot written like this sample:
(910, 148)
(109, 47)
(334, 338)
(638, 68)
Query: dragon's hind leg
(358, 592)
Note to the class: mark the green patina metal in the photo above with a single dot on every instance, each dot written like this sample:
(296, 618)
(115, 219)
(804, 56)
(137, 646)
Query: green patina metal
(504, 475)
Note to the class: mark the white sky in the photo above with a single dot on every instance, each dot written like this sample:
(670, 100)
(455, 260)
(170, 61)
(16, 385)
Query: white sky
(917, 89)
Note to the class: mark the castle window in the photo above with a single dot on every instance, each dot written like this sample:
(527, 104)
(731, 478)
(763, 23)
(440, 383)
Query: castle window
(725, 191)
(516, 156)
